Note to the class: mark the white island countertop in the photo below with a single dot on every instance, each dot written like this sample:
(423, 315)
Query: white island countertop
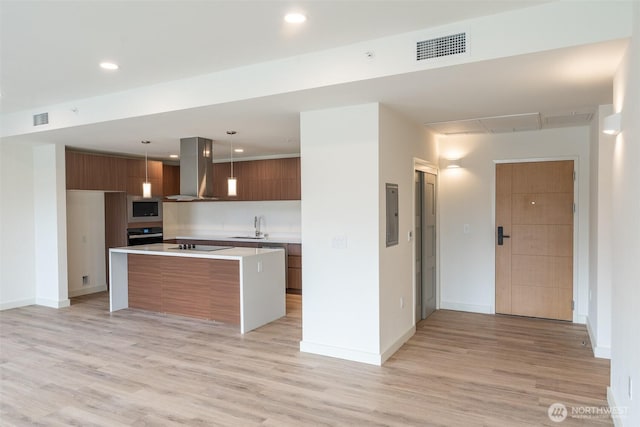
(170, 249)
(261, 277)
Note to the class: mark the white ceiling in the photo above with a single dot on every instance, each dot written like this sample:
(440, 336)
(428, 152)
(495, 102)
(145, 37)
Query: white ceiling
(50, 51)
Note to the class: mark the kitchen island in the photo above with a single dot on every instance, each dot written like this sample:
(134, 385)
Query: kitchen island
(235, 285)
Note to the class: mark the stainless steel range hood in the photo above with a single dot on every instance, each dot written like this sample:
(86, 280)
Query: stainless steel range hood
(196, 169)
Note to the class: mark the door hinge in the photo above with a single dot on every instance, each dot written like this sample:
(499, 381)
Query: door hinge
(574, 208)
(573, 305)
(574, 175)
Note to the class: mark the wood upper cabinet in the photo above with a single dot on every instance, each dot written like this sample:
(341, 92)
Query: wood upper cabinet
(273, 179)
(89, 171)
(136, 176)
(85, 171)
(170, 180)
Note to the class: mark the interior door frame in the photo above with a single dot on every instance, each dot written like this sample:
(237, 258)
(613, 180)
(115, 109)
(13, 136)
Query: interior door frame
(428, 167)
(576, 221)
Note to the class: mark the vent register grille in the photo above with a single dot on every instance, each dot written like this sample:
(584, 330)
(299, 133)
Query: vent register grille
(441, 46)
(40, 119)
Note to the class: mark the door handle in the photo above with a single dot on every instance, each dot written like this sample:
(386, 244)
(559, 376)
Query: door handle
(501, 236)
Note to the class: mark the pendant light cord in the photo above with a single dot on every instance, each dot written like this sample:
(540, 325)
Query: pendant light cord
(231, 133)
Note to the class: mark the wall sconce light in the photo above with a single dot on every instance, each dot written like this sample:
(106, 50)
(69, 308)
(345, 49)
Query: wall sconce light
(450, 163)
(611, 124)
(146, 185)
(232, 182)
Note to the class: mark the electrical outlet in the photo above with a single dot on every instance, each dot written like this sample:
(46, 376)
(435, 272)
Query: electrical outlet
(401, 302)
(466, 229)
(630, 388)
(259, 266)
(339, 242)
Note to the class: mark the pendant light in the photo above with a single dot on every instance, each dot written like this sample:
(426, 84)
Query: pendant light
(146, 185)
(232, 182)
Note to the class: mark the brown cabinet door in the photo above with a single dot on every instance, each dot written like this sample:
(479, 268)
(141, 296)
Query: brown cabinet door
(272, 179)
(170, 180)
(534, 260)
(136, 175)
(294, 266)
(85, 171)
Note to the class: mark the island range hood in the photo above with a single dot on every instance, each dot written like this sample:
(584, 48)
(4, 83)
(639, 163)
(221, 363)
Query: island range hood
(196, 169)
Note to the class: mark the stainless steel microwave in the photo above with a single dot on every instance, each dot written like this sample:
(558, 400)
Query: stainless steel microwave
(140, 209)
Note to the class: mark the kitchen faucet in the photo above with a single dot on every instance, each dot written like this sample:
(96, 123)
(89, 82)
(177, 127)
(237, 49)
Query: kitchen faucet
(256, 225)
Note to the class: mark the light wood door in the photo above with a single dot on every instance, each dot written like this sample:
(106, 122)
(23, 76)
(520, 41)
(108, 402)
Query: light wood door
(534, 259)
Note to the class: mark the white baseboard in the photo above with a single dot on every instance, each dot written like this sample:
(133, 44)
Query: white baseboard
(397, 344)
(611, 400)
(341, 353)
(580, 318)
(17, 303)
(357, 355)
(599, 352)
(86, 290)
(472, 308)
(53, 303)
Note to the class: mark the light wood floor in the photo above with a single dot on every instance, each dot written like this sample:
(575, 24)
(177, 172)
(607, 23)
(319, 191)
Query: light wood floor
(84, 366)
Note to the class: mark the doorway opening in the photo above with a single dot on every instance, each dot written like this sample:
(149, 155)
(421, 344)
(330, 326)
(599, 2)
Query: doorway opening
(425, 244)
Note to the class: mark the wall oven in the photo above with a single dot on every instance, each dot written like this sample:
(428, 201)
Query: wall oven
(144, 236)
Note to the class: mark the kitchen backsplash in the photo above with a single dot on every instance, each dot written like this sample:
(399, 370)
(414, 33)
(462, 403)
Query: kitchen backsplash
(279, 218)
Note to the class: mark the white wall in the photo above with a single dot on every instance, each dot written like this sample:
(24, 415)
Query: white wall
(400, 142)
(353, 283)
(50, 229)
(33, 226)
(601, 155)
(339, 165)
(280, 218)
(625, 191)
(467, 196)
(17, 241)
(85, 242)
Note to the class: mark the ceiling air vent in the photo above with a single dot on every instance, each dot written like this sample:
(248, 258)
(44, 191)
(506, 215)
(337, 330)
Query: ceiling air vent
(441, 46)
(41, 119)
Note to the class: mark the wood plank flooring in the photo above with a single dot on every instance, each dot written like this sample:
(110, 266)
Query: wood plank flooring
(84, 366)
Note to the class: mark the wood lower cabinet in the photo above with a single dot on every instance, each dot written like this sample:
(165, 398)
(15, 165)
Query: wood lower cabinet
(194, 287)
(294, 268)
(145, 283)
(294, 257)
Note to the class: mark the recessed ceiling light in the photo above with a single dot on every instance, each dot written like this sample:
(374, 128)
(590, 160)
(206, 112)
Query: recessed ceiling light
(295, 18)
(109, 66)
(239, 150)
(173, 156)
